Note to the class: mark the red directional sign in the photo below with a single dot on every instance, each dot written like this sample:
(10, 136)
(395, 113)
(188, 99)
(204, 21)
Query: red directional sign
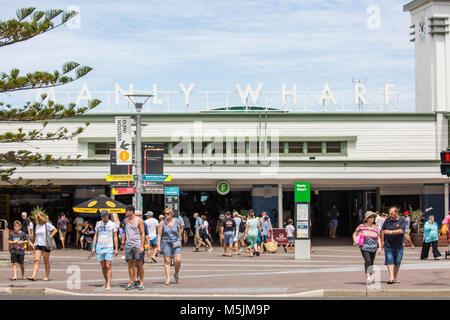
(123, 190)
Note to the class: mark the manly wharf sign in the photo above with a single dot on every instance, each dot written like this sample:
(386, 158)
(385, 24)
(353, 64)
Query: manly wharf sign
(190, 98)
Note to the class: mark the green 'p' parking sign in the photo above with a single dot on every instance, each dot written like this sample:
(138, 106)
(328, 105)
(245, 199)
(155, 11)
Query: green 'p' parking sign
(223, 188)
(302, 192)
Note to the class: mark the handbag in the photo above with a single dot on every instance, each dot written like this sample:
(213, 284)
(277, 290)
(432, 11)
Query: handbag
(49, 241)
(175, 244)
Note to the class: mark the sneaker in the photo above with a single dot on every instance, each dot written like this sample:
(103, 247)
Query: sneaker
(196, 250)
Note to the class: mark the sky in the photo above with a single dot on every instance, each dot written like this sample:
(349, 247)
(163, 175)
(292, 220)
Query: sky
(215, 44)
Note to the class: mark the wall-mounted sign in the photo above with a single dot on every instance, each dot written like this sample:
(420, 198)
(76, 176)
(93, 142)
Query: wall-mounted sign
(223, 188)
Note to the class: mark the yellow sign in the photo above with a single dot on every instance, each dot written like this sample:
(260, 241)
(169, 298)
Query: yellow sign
(124, 156)
(124, 177)
(91, 204)
(110, 204)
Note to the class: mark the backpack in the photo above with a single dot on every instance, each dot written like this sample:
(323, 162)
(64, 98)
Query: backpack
(242, 227)
(444, 229)
(63, 225)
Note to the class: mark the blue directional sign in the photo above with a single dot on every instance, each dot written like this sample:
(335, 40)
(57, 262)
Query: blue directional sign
(172, 191)
(156, 177)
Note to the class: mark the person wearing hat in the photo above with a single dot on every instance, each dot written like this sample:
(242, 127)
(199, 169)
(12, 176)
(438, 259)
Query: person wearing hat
(408, 230)
(105, 245)
(367, 236)
(152, 225)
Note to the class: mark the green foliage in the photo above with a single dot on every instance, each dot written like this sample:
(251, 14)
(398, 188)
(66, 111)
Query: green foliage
(20, 29)
(30, 23)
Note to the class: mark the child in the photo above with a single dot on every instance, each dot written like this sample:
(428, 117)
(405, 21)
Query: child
(17, 240)
(290, 235)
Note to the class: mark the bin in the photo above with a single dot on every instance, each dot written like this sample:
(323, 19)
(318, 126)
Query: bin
(4, 236)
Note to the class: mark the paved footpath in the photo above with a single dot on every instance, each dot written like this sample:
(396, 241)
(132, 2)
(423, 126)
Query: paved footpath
(211, 274)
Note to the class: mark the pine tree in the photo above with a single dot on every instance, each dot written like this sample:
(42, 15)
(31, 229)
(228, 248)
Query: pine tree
(29, 24)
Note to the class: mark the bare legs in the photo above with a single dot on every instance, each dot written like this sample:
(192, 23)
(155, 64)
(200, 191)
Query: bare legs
(37, 259)
(177, 263)
(107, 273)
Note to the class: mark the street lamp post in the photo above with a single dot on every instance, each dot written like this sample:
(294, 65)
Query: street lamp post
(138, 143)
(138, 156)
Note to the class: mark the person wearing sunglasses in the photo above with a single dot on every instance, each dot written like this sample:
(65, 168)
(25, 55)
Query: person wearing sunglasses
(169, 243)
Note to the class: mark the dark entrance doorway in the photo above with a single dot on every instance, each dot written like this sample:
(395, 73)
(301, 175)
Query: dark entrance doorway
(348, 203)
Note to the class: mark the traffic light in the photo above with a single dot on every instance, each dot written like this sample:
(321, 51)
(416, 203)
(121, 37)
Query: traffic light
(445, 163)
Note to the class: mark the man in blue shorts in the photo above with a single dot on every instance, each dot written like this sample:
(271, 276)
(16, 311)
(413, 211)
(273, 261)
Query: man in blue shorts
(392, 241)
(105, 245)
(227, 230)
(152, 225)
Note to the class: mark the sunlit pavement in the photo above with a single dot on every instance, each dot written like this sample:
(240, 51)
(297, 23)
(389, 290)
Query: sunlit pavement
(209, 273)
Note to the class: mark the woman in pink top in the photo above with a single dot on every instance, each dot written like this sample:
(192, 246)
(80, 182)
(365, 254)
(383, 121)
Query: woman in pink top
(367, 236)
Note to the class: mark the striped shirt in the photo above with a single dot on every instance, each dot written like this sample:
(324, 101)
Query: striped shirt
(371, 236)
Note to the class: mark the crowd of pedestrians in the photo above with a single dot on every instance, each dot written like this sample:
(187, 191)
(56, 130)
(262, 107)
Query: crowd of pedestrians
(138, 237)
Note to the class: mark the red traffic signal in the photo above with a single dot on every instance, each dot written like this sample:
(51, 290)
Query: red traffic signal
(445, 157)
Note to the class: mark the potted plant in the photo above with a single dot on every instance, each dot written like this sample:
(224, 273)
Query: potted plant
(416, 227)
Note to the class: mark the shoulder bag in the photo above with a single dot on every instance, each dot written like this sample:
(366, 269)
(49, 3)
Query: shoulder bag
(49, 241)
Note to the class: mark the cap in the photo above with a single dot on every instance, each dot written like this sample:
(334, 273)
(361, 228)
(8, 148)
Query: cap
(406, 213)
(129, 208)
(369, 214)
(228, 213)
(149, 213)
(104, 213)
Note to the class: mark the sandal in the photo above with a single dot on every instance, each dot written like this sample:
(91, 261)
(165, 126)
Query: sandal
(13, 279)
(141, 287)
(177, 279)
(31, 279)
(167, 282)
(130, 286)
(391, 282)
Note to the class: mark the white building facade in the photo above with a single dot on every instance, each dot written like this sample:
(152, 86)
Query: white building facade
(357, 160)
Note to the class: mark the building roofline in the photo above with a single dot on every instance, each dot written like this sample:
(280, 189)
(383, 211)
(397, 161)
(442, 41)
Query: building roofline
(417, 3)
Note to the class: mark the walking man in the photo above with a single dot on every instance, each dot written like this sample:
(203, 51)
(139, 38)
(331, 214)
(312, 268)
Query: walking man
(105, 245)
(227, 231)
(152, 225)
(333, 214)
(62, 226)
(197, 239)
(133, 241)
(392, 242)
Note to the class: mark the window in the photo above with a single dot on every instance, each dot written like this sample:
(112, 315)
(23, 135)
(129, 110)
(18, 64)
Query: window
(333, 147)
(295, 147)
(101, 149)
(314, 147)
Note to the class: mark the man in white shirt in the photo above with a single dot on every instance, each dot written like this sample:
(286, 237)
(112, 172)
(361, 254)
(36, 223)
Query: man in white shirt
(152, 225)
(105, 245)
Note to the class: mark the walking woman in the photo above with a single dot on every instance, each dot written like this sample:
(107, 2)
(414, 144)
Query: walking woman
(251, 233)
(204, 233)
(367, 236)
(43, 230)
(169, 244)
(430, 237)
